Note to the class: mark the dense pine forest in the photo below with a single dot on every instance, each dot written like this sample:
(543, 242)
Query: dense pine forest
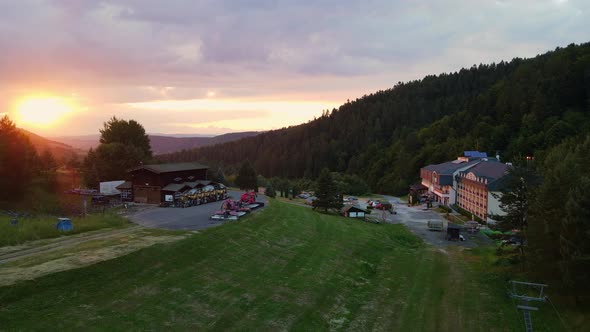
(517, 108)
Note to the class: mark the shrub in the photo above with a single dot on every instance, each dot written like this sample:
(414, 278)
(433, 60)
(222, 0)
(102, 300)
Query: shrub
(445, 208)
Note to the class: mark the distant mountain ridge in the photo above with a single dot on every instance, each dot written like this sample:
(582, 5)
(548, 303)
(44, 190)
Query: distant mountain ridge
(59, 150)
(160, 144)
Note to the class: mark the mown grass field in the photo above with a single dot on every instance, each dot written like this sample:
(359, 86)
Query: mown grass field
(285, 268)
(43, 227)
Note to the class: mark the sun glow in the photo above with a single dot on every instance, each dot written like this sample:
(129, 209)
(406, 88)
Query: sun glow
(43, 111)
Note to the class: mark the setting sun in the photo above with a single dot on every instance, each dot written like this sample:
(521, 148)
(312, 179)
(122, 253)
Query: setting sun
(42, 111)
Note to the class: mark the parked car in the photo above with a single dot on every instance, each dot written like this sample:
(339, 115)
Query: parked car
(373, 203)
(310, 200)
(384, 206)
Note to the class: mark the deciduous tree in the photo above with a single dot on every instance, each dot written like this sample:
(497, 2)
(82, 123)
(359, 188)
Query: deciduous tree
(123, 145)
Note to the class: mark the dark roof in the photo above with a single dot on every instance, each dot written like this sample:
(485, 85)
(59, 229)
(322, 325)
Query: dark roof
(499, 184)
(175, 187)
(191, 184)
(449, 167)
(475, 154)
(125, 185)
(351, 207)
(491, 170)
(168, 168)
(418, 187)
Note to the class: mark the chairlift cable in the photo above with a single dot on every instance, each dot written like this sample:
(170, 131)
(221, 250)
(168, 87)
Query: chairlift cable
(557, 312)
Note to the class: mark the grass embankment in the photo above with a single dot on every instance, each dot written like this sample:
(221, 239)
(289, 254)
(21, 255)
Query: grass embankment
(43, 227)
(286, 268)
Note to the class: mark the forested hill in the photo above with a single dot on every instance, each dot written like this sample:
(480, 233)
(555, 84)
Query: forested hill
(515, 108)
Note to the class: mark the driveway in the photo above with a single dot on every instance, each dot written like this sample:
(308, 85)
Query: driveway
(191, 218)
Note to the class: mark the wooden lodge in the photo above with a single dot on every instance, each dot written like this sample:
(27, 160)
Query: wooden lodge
(148, 181)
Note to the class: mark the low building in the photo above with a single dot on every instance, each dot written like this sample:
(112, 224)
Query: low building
(418, 189)
(149, 180)
(478, 186)
(351, 211)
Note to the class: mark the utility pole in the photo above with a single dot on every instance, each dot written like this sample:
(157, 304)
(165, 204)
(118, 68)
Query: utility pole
(527, 292)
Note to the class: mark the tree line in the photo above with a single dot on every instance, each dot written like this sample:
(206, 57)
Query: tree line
(516, 108)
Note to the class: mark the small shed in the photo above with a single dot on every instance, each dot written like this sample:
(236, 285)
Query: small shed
(173, 190)
(64, 225)
(453, 232)
(351, 211)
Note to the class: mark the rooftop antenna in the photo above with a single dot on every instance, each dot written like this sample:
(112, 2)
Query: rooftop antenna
(527, 292)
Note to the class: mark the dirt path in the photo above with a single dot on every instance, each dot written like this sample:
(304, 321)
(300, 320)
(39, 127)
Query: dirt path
(36, 262)
(61, 243)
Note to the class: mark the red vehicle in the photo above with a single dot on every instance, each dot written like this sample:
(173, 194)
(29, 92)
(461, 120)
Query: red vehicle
(384, 206)
(248, 197)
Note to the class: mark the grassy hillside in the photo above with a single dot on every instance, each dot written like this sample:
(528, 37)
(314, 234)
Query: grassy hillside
(286, 268)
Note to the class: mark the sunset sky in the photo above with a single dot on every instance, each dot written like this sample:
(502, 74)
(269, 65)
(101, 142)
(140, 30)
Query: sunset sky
(210, 67)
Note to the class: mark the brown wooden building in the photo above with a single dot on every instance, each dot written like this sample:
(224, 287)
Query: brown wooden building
(148, 180)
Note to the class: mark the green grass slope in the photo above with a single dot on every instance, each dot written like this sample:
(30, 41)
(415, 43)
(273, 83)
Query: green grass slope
(43, 227)
(286, 268)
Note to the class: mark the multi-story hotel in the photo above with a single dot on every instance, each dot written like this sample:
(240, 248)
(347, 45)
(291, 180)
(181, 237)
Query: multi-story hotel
(471, 182)
(478, 186)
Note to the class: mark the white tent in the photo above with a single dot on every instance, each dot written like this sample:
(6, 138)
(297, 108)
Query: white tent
(110, 187)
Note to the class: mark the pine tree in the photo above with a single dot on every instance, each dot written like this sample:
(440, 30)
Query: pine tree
(327, 193)
(220, 177)
(246, 178)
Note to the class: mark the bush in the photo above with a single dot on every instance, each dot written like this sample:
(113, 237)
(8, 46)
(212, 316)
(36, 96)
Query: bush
(445, 208)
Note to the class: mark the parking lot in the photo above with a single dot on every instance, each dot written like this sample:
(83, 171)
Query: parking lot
(416, 219)
(191, 218)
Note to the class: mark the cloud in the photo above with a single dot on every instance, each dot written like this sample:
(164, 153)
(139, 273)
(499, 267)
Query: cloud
(129, 51)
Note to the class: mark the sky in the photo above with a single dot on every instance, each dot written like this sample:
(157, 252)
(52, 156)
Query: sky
(211, 67)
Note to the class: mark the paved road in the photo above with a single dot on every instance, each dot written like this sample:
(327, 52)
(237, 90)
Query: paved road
(192, 218)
